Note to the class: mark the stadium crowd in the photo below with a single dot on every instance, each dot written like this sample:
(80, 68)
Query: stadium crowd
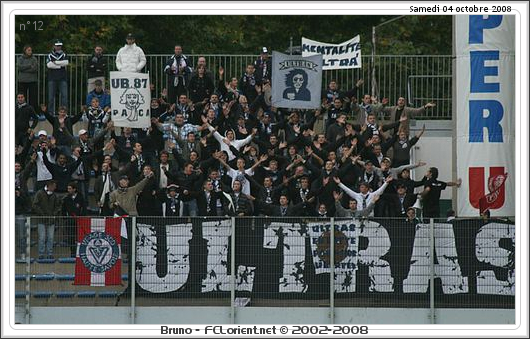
(215, 147)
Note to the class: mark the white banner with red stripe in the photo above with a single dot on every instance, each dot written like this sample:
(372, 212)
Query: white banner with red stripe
(485, 112)
(98, 257)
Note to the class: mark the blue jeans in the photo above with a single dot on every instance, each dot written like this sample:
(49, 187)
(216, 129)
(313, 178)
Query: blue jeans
(189, 208)
(53, 86)
(46, 239)
(20, 222)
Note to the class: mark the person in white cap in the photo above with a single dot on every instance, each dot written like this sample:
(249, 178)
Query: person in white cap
(263, 66)
(56, 63)
(130, 58)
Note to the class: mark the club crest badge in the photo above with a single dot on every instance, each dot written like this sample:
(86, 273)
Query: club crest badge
(99, 252)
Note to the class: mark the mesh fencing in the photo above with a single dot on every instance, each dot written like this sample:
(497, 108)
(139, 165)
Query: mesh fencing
(419, 78)
(267, 262)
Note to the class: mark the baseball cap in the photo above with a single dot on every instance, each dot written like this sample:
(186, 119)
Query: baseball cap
(42, 132)
(368, 162)
(129, 36)
(81, 132)
(58, 42)
(124, 177)
(264, 50)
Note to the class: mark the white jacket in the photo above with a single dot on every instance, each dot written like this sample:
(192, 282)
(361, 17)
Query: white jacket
(43, 173)
(130, 58)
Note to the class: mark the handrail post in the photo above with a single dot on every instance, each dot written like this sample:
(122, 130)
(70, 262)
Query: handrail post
(431, 265)
(132, 262)
(332, 272)
(28, 269)
(233, 273)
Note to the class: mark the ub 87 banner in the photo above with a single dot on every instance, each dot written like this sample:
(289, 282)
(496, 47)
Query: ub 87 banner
(485, 114)
(392, 257)
(130, 99)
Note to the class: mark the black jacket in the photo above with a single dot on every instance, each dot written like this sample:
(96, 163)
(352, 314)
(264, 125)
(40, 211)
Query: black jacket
(74, 207)
(97, 66)
(23, 115)
(184, 76)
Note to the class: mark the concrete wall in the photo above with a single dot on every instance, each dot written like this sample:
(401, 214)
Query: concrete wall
(266, 315)
(434, 148)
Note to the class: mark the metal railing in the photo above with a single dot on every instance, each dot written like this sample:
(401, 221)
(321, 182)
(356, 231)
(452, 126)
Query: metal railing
(270, 262)
(419, 78)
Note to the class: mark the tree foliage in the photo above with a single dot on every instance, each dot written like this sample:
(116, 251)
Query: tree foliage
(230, 34)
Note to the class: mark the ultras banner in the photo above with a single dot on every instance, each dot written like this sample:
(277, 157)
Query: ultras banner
(471, 257)
(335, 56)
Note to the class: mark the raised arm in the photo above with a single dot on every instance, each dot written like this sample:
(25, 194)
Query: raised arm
(340, 211)
(381, 189)
(348, 191)
(409, 166)
(258, 163)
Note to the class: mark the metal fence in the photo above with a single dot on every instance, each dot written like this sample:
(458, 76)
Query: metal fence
(419, 78)
(268, 262)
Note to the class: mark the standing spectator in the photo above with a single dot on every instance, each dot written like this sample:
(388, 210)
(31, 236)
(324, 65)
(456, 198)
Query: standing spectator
(47, 149)
(63, 128)
(46, 205)
(125, 197)
(130, 58)
(57, 76)
(99, 93)
(148, 202)
(177, 128)
(187, 179)
(97, 68)
(22, 204)
(28, 68)
(24, 115)
(96, 117)
(171, 203)
(333, 91)
(104, 184)
(62, 171)
(353, 211)
(399, 111)
(334, 110)
(230, 140)
(400, 202)
(163, 166)
(263, 67)
(431, 193)
(201, 61)
(239, 204)
(247, 84)
(178, 69)
(208, 199)
(368, 105)
(201, 86)
(402, 145)
(73, 206)
(364, 197)
(239, 174)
